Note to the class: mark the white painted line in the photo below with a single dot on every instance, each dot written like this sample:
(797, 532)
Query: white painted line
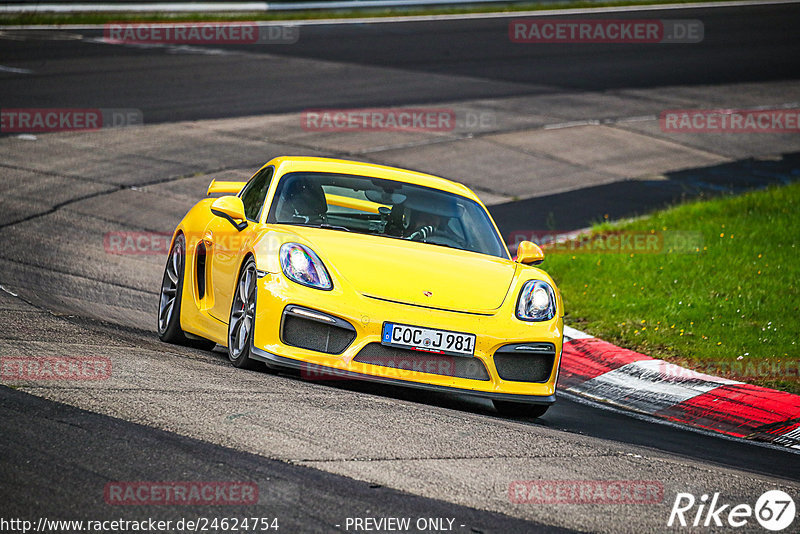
(214, 7)
(544, 13)
(790, 439)
(169, 47)
(571, 124)
(640, 118)
(8, 291)
(648, 386)
(134, 7)
(425, 18)
(15, 70)
(573, 333)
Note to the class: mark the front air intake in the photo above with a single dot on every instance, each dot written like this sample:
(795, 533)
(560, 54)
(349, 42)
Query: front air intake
(525, 362)
(317, 331)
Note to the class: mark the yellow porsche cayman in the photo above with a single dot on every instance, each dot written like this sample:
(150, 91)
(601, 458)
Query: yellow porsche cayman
(352, 270)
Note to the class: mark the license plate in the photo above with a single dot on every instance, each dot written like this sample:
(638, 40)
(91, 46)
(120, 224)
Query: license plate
(428, 339)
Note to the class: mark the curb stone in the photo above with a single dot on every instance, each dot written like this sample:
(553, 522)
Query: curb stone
(602, 372)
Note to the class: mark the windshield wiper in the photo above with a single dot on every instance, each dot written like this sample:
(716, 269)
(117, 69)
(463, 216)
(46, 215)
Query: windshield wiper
(333, 227)
(321, 225)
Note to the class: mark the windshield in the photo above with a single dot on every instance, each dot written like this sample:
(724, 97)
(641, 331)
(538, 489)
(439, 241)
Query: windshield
(384, 208)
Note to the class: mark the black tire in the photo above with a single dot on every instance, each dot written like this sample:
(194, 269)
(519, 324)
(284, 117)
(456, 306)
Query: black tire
(242, 318)
(169, 304)
(520, 409)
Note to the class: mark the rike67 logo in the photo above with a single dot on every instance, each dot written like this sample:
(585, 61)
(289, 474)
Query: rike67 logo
(774, 510)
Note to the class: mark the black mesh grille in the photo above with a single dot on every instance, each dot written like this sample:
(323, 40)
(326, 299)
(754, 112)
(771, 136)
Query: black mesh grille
(313, 335)
(412, 360)
(525, 366)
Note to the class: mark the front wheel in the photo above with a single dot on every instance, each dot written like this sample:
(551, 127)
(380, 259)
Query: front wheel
(242, 318)
(169, 305)
(520, 409)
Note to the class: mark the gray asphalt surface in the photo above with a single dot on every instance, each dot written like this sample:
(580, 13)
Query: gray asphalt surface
(70, 485)
(619, 200)
(64, 192)
(394, 64)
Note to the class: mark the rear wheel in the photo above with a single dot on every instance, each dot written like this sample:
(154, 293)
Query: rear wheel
(520, 409)
(242, 318)
(169, 305)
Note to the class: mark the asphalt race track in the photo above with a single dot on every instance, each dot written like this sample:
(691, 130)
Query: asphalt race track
(395, 64)
(573, 135)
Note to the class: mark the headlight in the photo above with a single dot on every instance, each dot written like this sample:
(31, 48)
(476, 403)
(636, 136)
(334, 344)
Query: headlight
(537, 302)
(301, 265)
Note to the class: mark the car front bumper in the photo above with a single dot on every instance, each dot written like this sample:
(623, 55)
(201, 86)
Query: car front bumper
(348, 313)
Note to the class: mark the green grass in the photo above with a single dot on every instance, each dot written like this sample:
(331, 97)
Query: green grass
(730, 300)
(101, 18)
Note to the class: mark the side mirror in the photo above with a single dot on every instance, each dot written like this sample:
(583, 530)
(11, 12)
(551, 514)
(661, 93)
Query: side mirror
(529, 253)
(232, 209)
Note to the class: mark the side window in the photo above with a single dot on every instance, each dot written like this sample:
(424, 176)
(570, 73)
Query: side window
(255, 192)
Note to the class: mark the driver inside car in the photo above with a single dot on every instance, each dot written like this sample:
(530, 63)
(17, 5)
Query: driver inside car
(436, 229)
(437, 224)
(302, 201)
(425, 224)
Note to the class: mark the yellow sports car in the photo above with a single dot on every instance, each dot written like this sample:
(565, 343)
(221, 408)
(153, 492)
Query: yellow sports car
(353, 270)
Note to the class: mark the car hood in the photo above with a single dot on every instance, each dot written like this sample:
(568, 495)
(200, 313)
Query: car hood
(414, 273)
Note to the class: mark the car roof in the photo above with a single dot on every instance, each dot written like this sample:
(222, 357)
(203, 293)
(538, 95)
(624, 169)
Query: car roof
(286, 164)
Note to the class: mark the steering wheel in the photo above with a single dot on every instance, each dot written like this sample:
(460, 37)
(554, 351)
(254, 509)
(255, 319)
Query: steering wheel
(428, 234)
(422, 234)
